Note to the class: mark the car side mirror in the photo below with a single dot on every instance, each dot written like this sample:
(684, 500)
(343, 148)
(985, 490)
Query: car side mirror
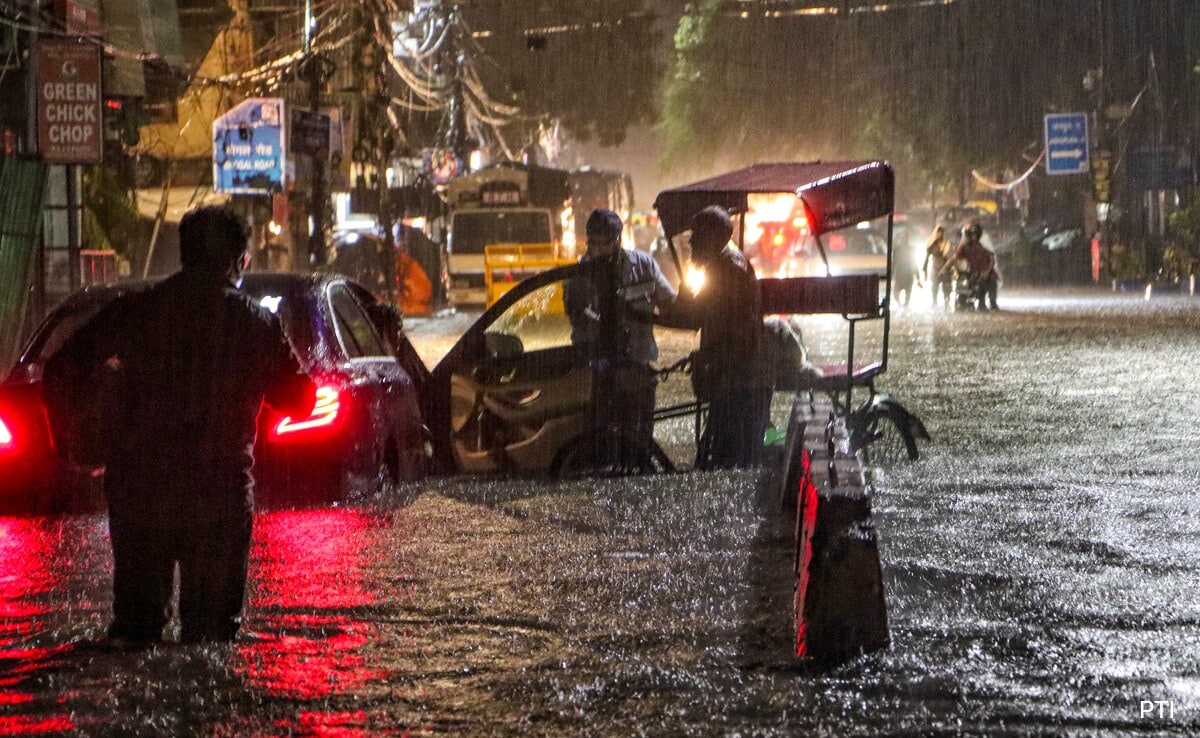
(503, 345)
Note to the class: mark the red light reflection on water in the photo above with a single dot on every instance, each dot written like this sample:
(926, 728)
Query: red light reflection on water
(307, 585)
(27, 548)
(329, 724)
(19, 725)
(806, 524)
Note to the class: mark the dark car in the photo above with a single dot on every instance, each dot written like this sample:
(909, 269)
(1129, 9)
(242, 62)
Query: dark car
(365, 431)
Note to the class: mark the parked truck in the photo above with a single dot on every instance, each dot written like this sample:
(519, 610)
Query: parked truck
(510, 221)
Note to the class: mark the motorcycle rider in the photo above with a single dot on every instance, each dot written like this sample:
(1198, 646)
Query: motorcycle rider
(983, 274)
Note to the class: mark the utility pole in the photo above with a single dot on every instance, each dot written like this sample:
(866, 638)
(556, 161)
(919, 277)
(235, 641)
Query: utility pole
(1102, 168)
(453, 60)
(313, 71)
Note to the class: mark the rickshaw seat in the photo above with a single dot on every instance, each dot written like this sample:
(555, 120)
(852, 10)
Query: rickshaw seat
(836, 378)
(851, 294)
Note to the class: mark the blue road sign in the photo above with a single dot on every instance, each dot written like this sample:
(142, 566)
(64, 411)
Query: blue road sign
(1067, 143)
(248, 148)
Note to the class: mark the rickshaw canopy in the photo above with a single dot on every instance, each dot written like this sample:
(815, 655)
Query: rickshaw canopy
(836, 193)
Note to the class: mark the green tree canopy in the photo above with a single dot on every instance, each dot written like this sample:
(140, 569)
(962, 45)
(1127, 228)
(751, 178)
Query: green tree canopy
(594, 66)
(937, 89)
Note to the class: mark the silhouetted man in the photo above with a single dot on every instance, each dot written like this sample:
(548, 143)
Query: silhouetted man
(196, 360)
(729, 370)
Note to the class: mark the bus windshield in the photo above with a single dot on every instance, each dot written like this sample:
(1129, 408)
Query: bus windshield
(470, 231)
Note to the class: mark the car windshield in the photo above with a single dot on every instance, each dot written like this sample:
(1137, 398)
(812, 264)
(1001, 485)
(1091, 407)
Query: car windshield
(538, 319)
(471, 231)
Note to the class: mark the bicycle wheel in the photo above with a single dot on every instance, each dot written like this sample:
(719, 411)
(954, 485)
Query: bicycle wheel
(888, 444)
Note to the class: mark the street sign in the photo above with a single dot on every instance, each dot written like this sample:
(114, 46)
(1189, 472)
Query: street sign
(1159, 168)
(1066, 143)
(310, 133)
(248, 148)
(442, 165)
(69, 103)
(81, 17)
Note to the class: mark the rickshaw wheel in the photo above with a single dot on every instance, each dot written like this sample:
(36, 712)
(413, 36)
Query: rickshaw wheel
(888, 444)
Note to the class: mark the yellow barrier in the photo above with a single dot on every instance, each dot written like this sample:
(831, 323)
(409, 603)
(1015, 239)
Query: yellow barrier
(516, 261)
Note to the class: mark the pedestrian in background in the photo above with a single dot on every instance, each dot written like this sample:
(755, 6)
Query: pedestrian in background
(196, 361)
(729, 370)
(937, 254)
(906, 269)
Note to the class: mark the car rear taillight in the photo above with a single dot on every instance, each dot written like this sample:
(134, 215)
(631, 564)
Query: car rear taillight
(6, 437)
(324, 414)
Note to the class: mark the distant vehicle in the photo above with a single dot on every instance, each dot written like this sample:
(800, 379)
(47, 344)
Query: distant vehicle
(597, 188)
(847, 252)
(366, 429)
(472, 231)
(364, 257)
(510, 204)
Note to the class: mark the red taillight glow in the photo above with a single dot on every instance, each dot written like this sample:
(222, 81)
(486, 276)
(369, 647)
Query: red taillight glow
(6, 437)
(324, 413)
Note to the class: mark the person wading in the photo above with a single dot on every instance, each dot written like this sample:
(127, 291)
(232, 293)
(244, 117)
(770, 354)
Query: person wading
(937, 252)
(196, 359)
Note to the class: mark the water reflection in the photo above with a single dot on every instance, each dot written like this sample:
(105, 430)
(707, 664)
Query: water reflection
(308, 587)
(28, 550)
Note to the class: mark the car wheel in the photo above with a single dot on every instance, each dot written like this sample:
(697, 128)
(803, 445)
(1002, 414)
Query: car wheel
(415, 461)
(391, 469)
(574, 460)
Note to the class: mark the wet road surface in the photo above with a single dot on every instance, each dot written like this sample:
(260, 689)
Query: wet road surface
(1040, 564)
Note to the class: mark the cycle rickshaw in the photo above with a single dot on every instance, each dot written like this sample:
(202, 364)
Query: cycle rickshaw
(512, 394)
(791, 215)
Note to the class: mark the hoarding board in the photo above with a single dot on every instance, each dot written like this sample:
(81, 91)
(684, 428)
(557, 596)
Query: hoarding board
(310, 133)
(69, 103)
(249, 148)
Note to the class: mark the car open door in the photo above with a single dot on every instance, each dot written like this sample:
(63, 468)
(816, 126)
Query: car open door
(513, 392)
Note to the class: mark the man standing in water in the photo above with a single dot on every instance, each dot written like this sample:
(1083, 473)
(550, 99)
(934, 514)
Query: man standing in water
(195, 360)
(729, 370)
(611, 311)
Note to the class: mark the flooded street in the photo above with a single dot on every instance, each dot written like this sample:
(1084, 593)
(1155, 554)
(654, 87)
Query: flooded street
(1040, 565)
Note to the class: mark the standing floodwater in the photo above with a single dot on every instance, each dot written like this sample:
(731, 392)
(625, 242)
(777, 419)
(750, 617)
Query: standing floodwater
(1041, 565)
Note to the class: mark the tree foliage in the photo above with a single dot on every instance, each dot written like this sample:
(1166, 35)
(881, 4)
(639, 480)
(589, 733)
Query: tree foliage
(591, 65)
(110, 220)
(939, 90)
